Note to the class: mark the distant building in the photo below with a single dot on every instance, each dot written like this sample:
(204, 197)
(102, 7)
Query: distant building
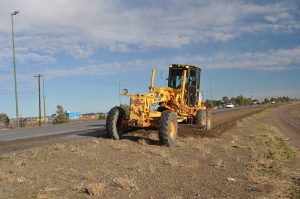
(73, 115)
(89, 116)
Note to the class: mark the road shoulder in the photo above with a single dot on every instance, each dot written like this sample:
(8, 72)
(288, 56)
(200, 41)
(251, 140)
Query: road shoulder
(250, 160)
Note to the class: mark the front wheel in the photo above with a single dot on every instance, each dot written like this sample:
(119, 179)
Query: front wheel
(114, 123)
(168, 128)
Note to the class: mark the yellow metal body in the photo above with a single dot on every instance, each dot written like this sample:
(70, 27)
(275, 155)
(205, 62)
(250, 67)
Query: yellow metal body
(141, 114)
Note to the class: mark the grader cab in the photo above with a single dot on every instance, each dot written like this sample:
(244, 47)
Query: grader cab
(163, 108)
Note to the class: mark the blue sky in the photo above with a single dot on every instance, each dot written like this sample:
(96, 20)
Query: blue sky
(85, 48)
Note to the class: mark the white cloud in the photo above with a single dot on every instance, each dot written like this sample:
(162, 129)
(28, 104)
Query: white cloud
(79, 28)
(278, 59)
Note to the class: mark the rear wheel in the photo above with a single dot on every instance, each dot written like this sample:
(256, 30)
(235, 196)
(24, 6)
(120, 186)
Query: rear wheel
(168, 128)
(114, 123)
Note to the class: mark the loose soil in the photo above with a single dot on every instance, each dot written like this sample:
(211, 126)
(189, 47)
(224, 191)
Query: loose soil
(221, 122)
(247, 157)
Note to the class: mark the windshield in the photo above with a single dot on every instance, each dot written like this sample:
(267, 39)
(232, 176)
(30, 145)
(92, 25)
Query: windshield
(175, 78)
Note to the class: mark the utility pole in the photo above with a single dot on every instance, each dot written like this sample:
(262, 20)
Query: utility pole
(39, 84)
(14, 60)
(44, 97)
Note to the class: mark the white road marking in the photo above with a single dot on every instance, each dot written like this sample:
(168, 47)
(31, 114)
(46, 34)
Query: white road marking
(7, 134)
(51, 133)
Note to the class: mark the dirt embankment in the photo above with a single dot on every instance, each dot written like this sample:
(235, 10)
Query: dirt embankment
(287, 119)
(248, 160)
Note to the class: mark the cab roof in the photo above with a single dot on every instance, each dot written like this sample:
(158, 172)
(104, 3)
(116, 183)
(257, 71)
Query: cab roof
(184, 66)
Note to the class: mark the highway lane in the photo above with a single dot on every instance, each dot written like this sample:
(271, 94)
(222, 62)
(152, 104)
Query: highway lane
(21, 133)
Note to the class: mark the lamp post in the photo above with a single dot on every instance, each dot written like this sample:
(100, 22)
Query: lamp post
(14, 60)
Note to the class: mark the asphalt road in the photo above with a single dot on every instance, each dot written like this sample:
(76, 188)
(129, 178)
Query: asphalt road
(16, 134)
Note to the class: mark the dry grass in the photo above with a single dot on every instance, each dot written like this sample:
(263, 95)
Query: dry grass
(203, 148)
(40, 196)
(220, 163)
(118, 145)
(59, 146)
(270, 157)
(171, 162)
(95, 189)
(95, 141)
(296, 111)
(158, 151)
(124, 183)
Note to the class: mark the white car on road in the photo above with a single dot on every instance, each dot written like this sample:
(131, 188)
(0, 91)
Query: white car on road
(230, 105)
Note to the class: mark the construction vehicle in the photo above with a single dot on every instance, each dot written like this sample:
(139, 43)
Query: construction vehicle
(180, 102)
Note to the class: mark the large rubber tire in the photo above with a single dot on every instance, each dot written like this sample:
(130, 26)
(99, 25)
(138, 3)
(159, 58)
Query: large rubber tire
(200, 118)
(168, 128)
(114, 127)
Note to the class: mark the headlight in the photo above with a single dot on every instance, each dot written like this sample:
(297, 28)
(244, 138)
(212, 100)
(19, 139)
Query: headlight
(156, 94)
(125, 91)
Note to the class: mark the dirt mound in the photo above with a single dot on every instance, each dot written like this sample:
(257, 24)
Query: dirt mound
(196, 132)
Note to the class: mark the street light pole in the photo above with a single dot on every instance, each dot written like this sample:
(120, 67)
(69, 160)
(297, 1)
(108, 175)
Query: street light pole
(14, 60)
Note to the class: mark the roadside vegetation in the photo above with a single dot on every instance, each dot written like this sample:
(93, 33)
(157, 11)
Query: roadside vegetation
(4, 119)
(244, 101)
(61, 116)
(274, 168)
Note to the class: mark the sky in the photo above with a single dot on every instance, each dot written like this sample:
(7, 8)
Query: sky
(86, 49)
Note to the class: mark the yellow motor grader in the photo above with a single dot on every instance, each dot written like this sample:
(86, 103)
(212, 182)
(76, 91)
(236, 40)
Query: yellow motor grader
(163, 108)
